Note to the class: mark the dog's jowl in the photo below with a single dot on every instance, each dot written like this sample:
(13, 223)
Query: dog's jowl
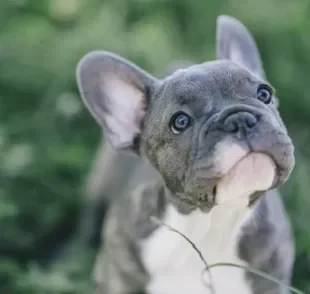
(214, 135)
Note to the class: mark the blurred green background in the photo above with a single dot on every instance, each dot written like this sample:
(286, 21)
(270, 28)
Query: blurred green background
(48, 139)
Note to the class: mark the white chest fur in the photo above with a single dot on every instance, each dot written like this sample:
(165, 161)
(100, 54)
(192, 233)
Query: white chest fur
(174, 265)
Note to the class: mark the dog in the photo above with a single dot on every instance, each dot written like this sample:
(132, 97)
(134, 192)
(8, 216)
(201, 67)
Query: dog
(218, 150)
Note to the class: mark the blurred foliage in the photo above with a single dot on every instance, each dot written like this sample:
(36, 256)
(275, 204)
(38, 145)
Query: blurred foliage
(48, 139)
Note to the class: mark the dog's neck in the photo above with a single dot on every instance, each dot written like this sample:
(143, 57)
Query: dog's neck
(229, 214)
(214, 233)
(220, 224)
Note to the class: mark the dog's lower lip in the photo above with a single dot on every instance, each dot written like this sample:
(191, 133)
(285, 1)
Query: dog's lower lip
(265, 153)
(277, 167)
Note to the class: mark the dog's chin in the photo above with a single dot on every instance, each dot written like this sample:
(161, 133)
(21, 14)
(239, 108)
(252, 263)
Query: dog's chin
(254, 172)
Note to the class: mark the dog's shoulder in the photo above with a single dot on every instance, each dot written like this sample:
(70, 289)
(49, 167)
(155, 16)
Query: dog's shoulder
(127, 222)
(266, 241)
(130, 214)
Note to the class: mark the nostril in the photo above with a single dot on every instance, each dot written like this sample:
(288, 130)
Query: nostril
(251, 121)
(232, 127)
(231, 124)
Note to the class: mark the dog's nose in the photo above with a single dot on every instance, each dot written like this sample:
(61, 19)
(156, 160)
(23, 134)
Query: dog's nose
(240, 123)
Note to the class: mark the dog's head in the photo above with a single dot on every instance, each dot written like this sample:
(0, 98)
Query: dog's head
(212, 130)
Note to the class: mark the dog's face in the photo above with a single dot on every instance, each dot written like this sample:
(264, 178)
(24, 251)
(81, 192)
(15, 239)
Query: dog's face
(212, 130)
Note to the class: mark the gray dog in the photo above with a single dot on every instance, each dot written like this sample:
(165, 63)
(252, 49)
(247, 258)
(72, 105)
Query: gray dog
(218, 148)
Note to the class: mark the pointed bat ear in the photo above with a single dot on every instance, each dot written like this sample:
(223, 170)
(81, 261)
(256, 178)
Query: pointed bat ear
(116, 92)
(235, 43)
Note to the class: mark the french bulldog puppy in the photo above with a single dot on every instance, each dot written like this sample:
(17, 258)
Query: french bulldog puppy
(218, 148)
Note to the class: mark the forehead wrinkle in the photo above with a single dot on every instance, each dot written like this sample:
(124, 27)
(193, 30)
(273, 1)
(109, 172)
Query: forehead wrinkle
(182, 90)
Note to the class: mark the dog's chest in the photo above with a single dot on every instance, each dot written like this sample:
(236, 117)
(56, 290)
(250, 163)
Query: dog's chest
(175, 266)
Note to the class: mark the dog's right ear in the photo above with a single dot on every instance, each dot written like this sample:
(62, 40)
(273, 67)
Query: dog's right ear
(116, 92)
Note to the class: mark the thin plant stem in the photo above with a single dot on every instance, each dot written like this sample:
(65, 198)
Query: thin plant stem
(220, 264)
(210, 285)
(255, 272)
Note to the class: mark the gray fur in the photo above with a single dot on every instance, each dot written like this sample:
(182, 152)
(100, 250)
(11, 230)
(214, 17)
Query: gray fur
(219, 95)
(110, 167)
(267, 244)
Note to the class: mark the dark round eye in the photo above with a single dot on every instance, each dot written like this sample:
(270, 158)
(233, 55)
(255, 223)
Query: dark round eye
(264, 94)
(180, 122)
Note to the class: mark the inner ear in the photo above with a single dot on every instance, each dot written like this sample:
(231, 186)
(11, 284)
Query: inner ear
(116, 92)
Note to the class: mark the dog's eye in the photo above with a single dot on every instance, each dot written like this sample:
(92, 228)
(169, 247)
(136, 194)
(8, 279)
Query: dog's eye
(180, 122)
(264, 94)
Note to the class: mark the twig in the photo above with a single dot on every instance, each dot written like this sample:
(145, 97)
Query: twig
(208, 267)
(255, 272)
(210, 285)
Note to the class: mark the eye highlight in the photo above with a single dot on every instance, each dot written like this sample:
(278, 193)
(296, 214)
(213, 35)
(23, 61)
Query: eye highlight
(179, 122)
(264, 94)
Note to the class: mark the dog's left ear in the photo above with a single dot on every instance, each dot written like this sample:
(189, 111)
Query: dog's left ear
(116, 92)
(235, 43)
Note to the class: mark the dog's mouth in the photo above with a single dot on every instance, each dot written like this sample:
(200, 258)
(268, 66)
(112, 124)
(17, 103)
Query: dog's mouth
(239, 173)
(253, 172)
